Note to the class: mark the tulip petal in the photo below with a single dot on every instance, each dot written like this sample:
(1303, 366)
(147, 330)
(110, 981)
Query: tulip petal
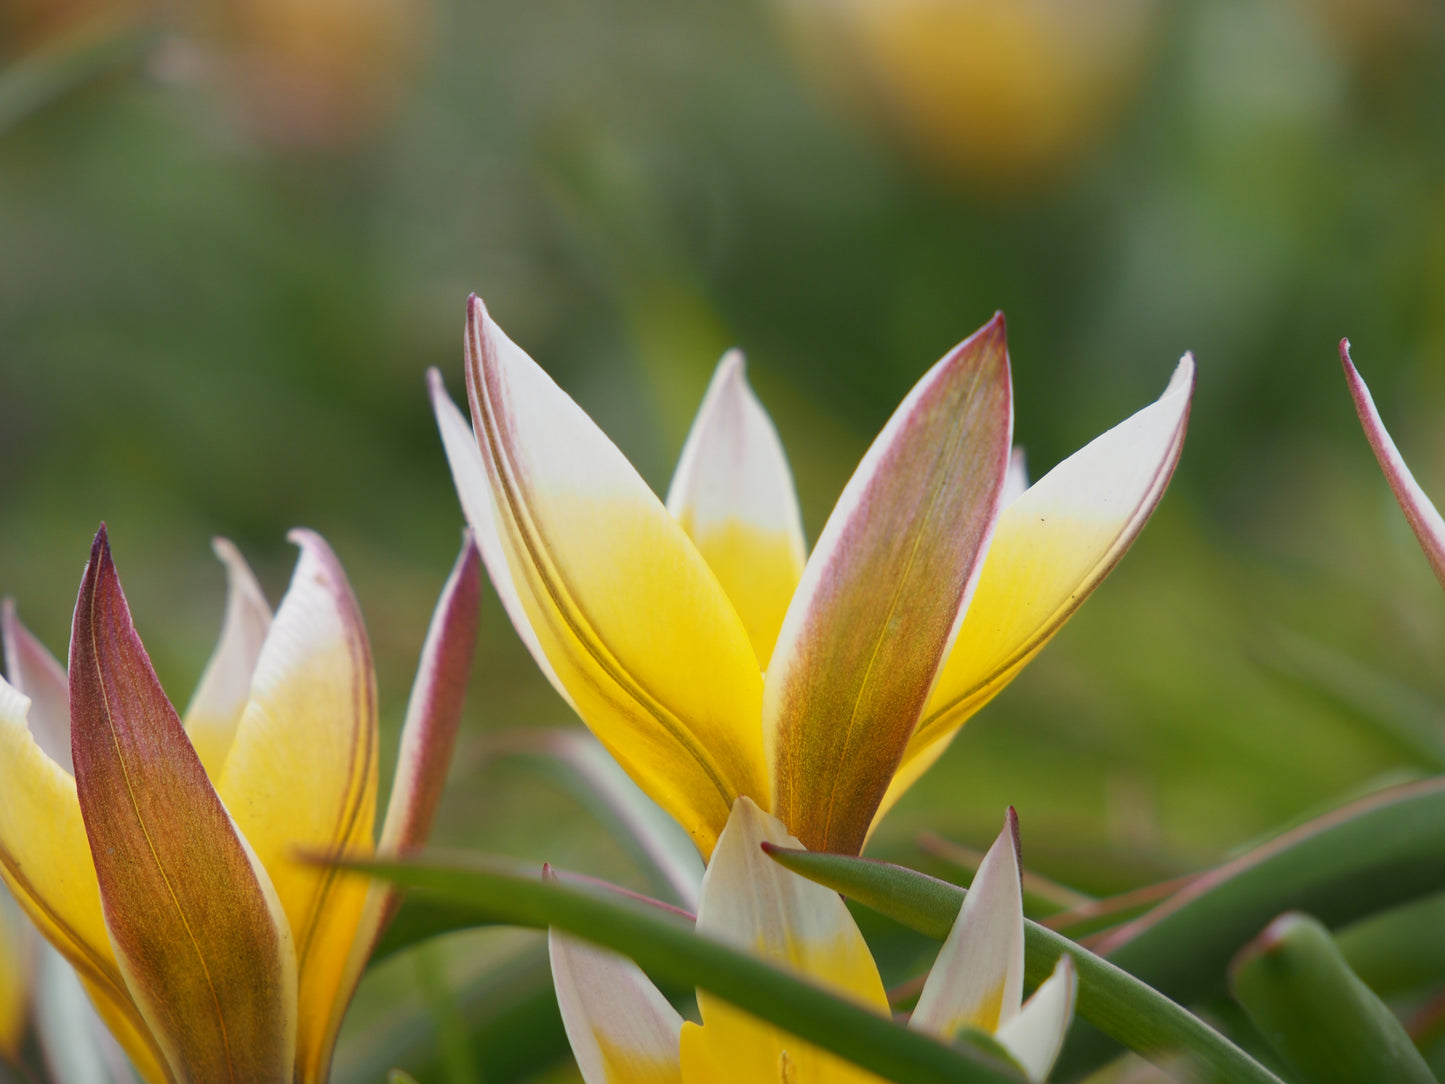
(1424, 518)
(751, 902)
(882, 595)
(428, 736)
(622, 1030)
(1036, 1035)
(197, 929)
(631, 618)
(45, 861)
(301, 778)
(1054, 544)
(469, 474)
(225, 685)
(733, 495)
(36, 673)
(978, 979)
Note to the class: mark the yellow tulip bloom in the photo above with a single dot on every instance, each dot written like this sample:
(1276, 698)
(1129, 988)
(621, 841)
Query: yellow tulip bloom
(165, 860)
(716, 659)
(1425, 519)
(623, 1031)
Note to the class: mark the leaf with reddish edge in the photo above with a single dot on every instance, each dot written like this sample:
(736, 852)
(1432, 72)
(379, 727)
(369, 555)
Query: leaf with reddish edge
(882, 596)
(1115, 1001)
(197, 929)
(1424, 518)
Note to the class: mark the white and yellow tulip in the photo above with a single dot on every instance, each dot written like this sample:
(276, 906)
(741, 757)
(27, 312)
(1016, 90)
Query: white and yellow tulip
(623, 1031)
(1420, 511)
(166, 860)
(712, 655)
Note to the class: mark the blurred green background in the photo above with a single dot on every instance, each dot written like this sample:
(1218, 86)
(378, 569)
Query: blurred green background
(233, 238)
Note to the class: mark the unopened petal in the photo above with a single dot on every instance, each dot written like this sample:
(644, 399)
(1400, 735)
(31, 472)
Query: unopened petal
(1036, 1035)
(1424, 518)
(1054, 544)
(45, 861)
(301, 778)
(630, 617)
(225, 685)
(198, 932)
(882, 595)
(427, 739)
(977, 980)
(733, 494)
(752, 903)
(37, 674)
(621, 1029)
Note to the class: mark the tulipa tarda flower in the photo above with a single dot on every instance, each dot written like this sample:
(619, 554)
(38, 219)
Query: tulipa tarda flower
(1424, 518)
(164, 859)
(622, 1029)
(711, 655)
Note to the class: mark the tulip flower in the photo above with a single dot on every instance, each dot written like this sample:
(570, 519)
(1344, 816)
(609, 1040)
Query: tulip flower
(1424, 518)
(622, 1028)
(166, 860)
(716, 659)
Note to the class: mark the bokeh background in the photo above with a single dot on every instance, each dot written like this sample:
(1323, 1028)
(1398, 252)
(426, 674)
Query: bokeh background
(234, 236)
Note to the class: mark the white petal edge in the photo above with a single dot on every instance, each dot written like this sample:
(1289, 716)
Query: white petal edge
(1036, 1035)
(605, 998)
(978, 978)
(733, 466)
(37, 674)
(1016, 481)
(469, 473)
(225, 684)
(1425, 519)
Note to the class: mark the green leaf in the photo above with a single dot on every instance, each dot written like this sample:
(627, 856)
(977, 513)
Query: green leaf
(420, 919)
(1318, 1016)
(1373, 854)
(1113, 1000)
(665, 945)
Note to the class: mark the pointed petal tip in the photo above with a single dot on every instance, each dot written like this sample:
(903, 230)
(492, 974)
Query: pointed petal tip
(434, 383)
(1183, 376)
(101, 543)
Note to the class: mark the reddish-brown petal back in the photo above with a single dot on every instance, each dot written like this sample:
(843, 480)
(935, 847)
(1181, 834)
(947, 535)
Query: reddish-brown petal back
(198, 932)
(882, 594)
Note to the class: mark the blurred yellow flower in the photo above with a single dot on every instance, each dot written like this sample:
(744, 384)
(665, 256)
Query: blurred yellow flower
(989, 92)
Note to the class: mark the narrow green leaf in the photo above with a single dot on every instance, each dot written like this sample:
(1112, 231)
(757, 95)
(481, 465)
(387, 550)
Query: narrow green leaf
(666, 946)
(1319, 1017)
(420, 919)
(1372, 854)
(1113, 1000)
